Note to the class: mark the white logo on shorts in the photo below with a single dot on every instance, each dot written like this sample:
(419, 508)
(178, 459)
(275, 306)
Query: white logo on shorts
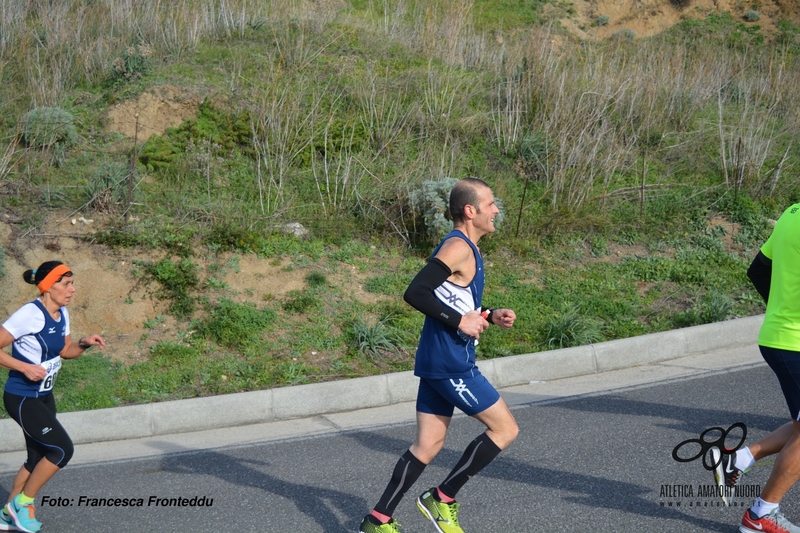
(461, 388)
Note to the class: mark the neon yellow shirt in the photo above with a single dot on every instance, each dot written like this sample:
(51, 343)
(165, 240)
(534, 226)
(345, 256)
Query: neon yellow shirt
(781, 327)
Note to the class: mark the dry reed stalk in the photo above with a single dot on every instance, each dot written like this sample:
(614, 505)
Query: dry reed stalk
(282, 125)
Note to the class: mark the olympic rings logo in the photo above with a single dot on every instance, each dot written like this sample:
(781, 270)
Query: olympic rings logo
(707, 445)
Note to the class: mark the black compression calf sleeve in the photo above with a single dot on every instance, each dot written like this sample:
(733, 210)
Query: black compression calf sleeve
(478, 454)
(406, 472)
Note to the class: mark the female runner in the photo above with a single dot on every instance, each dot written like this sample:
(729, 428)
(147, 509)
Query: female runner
(40, 338)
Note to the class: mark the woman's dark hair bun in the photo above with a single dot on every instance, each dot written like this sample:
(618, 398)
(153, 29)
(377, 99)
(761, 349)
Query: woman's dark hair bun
(34, 277)
(28, 276)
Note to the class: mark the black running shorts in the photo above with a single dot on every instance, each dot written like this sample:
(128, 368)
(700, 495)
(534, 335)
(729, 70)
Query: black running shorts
(44, 435)
(786, 365)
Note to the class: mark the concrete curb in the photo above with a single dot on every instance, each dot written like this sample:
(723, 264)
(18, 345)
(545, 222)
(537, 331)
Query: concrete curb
(230, 410)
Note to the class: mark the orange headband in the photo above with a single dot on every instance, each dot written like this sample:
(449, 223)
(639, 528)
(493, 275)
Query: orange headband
(52, 277)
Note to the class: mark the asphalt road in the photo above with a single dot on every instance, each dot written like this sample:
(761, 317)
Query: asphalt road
(594, 464)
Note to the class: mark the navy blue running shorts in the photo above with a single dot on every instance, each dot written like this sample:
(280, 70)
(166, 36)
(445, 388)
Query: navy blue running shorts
(786, 365)
(472, 395)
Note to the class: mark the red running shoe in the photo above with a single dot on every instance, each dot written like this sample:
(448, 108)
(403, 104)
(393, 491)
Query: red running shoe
(774, 522)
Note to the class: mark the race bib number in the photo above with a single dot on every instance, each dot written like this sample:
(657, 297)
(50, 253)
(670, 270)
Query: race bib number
(51, 367)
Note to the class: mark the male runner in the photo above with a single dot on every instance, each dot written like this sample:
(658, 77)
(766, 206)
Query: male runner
(775, 273)
(448, 290)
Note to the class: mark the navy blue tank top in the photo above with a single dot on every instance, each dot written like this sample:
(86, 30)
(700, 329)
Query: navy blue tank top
(43, 348)
(445, 352)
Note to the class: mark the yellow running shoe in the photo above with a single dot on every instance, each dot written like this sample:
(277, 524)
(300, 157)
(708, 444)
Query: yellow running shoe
(392, 526)
(443, 515)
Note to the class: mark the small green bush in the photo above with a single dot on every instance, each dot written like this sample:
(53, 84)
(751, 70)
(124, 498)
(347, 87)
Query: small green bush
(177, 279)
(234, 325)
(376, 342)
(49, 128)
(751, 16)
(292, 372)
(716, 308)
(602, 20)
(132, 64)
(107, 190)
(316, 279)
(626, 34)
(230, 237)
(229, 130)
(431, 200)
(712, 307)
(570, 329)
(301, 302)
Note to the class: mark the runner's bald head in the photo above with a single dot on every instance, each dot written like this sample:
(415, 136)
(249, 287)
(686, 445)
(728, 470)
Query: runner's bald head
(464, 193)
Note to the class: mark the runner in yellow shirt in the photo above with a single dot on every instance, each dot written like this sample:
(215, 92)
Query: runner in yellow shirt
(775, 272)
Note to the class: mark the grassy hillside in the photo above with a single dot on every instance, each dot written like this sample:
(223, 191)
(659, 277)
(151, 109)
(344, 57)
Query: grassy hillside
(638, 176)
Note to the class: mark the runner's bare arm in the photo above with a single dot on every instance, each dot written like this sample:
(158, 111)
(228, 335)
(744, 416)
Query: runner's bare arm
(74, 349)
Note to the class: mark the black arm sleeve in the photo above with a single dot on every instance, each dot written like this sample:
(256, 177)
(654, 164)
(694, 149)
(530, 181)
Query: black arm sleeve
(419, 293)
(760, 274)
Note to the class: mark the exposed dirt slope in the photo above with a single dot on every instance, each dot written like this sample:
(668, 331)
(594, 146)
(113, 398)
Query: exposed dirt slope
(112, 301)
(650, 17)
(154, 111)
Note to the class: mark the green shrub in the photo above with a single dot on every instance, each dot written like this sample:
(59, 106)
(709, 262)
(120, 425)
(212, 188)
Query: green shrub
(316, 279)
(229, 130)
(49, 128)
(625, 34)
(751, 16)
(431, 201)
(107, 190)
(230, 237)
(132, 64)
(301, 302)
(712, 307)
(292, 372)
(602, 20)
(376, 342)
(169, 353)
(570, 329)
(177, 279)
(716, 308)
(234, 325)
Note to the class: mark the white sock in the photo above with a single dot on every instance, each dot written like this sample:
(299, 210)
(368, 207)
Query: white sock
(744, 459)
(762, 508)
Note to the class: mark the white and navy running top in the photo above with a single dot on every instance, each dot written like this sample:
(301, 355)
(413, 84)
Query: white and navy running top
(445, 352)
(39, 340)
